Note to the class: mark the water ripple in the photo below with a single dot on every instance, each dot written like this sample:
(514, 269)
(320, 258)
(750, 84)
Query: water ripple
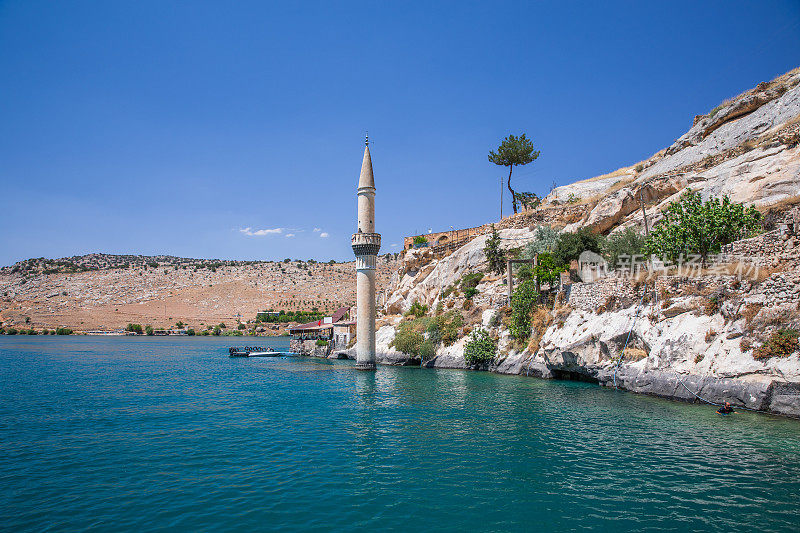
(132, 434)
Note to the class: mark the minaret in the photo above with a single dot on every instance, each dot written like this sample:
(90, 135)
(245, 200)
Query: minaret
(366, 244)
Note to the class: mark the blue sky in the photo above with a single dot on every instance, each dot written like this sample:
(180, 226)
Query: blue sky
(171, 127)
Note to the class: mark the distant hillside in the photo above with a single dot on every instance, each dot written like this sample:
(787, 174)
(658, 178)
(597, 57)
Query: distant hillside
(98, 261)
(102, 291)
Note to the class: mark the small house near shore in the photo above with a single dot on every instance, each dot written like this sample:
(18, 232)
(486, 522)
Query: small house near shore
(337, 328)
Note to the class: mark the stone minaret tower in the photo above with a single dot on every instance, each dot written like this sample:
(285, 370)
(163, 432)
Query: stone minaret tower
(366, 244)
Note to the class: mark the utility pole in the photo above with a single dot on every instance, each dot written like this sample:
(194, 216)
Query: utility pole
(644, 213)
(501, 198)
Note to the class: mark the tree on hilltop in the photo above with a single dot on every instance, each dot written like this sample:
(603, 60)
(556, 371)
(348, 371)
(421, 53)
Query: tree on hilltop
(514, 151)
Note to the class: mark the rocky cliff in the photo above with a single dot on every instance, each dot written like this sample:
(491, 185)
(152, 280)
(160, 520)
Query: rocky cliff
(686, 337)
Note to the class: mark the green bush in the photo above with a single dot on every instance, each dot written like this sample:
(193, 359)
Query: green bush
(445, 327)
(216, 331)
(625, 243)
(419, 239)
(204, 333)
(545, 239)
(407, 340)
(11, 331)
(63, 331)
(547, 270)
(494, 255)
(782, 343)
(321, 342)
(418, 310)
(148, 330)
(570, 245)
(529, 200)
(523, 302)
(135, 328)
(448, 291)
(469, 283)
(411, 340)
(190, 332)
(480, 348)
(427, 351)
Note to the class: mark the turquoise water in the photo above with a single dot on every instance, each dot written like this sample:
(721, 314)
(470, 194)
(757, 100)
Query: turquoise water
(169, 433)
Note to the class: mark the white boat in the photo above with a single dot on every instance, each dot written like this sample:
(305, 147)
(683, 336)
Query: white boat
(253, 351)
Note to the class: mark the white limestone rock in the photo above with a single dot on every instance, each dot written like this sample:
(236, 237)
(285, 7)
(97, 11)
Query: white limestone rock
(693, 146)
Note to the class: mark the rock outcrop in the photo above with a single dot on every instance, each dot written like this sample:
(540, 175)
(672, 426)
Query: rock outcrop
(690, 339)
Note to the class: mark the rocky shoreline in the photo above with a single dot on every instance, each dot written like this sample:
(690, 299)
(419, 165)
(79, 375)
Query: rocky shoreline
(767, 396)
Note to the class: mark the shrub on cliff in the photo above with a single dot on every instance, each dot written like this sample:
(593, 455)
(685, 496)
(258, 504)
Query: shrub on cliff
(469, 283)
(134, 328)
(625, 243)
(546, 271)
(417, 310)
(782, 343)
(691, 226)
(570, 245)
(523, 302)
(190, 332)
(494, 255)
(545, 239)
(11, 331)
(529, 200)
(148, 330)
(445, 327)
(480, 348)
(411, 340)
(63, 331)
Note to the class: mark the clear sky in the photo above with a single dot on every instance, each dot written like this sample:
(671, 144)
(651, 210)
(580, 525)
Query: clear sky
(235, 130)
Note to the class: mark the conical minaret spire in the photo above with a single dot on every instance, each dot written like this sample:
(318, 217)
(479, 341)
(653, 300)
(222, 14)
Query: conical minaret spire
(366, 195)
(366, 179)
(366, 244)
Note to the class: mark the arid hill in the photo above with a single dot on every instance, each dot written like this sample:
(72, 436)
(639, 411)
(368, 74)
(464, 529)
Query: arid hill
(106, 292)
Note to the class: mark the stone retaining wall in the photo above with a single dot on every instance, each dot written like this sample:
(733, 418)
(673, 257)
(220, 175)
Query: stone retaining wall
(309, 347)
(778, 289)
(769, 249)
(590, 296)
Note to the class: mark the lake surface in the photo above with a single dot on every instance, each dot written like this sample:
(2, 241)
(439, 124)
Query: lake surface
(169, 433)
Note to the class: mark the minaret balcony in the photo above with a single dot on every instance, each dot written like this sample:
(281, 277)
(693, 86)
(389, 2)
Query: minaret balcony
(366, 243)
